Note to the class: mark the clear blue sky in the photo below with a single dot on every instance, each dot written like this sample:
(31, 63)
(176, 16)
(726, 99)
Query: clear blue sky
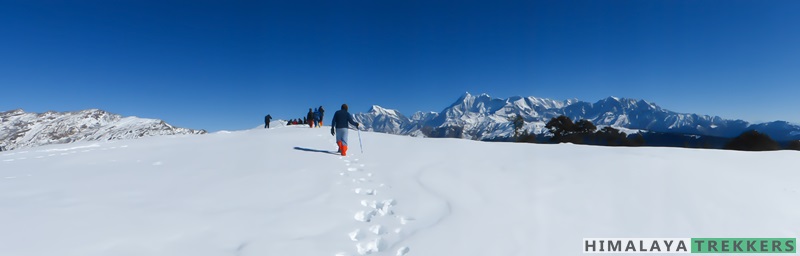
(225, 64)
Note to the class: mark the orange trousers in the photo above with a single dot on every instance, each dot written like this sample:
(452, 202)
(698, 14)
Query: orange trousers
(342, 148)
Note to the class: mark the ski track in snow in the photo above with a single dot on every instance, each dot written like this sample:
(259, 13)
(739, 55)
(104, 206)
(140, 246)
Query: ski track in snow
(376, 229)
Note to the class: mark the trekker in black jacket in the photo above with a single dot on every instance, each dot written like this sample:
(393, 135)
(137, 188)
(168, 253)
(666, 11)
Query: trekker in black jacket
(310, 118)
(339, 125)
(266, 121)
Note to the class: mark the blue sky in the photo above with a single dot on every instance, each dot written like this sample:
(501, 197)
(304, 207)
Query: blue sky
(225, 64)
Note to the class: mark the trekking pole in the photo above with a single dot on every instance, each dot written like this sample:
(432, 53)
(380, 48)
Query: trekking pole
(359, 140)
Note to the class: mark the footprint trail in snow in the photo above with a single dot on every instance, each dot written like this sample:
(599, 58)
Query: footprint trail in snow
(376, 227)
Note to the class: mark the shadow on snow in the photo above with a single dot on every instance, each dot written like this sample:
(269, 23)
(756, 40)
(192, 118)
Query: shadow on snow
(316, 150)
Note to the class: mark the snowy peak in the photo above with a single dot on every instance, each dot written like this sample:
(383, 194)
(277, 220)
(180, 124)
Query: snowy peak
(481, 104)
(378, 110)
(14, 112)
(626, 104)
(382, 119)
(21, 129)
(484, 117)
(420, 116)
(545, 103)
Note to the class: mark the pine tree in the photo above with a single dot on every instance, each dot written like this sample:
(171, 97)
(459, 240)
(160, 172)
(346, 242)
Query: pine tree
(560, 126)
(753, 141)
(518, 122)
(794, 145)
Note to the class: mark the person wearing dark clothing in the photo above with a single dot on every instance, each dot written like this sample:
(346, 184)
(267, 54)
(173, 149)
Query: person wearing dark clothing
(310, 118)
(339, 125)
(266, 121)
(316, 117)
(305, 120)
(321, 115)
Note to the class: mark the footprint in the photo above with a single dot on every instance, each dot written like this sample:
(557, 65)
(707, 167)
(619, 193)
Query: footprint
(402, 251)
(376, 245)
(8, 160)
(352, 169)
(368, 192)
(379, 244)
(377, 229)
(362, 249)
(368, 203)
(158, 163)
(355, 235)
(365, 216)
(384, 207)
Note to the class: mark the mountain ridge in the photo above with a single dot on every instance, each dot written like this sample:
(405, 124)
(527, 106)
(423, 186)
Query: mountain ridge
(483, 117)
(20, 129)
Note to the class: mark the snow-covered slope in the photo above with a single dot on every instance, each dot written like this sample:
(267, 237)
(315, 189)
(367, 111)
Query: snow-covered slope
(279, 192)
(19, 129)
(483, 117)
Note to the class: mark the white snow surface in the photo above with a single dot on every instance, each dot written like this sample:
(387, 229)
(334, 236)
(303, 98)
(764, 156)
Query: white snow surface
(277, 192)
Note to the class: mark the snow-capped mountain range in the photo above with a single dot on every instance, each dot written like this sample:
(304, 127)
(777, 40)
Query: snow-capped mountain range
(483, 117)
(20, 129)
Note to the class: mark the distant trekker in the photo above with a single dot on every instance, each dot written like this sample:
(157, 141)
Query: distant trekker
(266, 121)
(339, 125)
(321, 115)
(316, 117)
(310, 118)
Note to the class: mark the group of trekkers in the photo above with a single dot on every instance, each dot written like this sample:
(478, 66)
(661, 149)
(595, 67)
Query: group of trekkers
(339, 124)
(314, 118)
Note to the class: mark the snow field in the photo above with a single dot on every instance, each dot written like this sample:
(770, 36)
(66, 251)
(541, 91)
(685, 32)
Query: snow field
(283, 192)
